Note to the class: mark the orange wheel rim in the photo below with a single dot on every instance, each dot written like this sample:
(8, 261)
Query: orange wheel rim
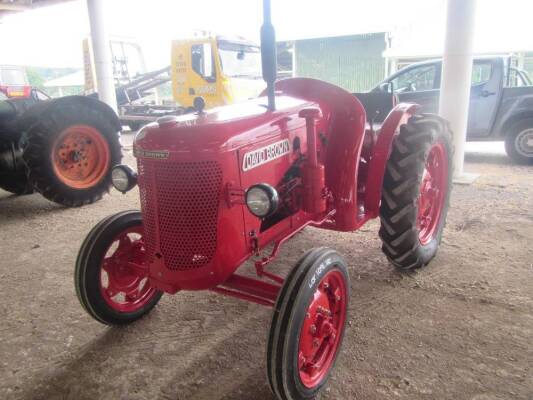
(80, 156)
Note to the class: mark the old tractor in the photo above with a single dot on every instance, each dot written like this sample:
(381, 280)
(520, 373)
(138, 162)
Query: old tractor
(62, 148)
(220, 187)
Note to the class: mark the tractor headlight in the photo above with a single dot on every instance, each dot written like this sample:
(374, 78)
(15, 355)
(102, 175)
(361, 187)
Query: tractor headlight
(262, 200)
(123, 178)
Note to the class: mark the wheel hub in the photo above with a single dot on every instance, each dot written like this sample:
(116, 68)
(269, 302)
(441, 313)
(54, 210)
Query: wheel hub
(80, 156)
(433, 190)
(524, 143)
(124, 281)
(321, 330)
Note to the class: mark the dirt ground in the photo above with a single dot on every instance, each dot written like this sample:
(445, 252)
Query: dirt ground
(460, 329)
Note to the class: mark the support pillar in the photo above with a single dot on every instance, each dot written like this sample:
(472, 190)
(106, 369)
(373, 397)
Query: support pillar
(457, 74)
(105, 83)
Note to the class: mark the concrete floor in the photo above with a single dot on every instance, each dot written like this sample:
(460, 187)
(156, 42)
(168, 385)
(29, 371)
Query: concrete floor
(459, 329)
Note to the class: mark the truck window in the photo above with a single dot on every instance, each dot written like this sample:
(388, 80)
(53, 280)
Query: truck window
(481, 72)
(518, 78)
(202, 61)
(415, 79)
(240, 61)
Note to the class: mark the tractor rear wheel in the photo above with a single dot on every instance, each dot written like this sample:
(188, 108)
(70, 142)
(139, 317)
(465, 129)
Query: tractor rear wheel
(14, 179)
(69, 152)
(416, 192)
(111, 275)
(16, 183)
(308, 325)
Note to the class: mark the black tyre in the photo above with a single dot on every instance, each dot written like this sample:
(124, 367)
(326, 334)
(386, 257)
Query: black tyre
(519, 142)
(16, 183)
(69, 150)
(108, 287)
(308, 325)
(13, 171)
(416, 192)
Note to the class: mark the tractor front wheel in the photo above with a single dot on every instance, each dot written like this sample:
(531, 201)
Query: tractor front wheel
(111, 275)
(308, 325)
(416, 192)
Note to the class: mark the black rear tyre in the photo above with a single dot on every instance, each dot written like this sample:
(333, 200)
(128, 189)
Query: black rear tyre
(519, 142)
(40, 142)
(16, 183)
(416, 192)
(14, 180)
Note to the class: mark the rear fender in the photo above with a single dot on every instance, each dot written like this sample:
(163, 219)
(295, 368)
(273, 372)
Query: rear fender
(380, 155)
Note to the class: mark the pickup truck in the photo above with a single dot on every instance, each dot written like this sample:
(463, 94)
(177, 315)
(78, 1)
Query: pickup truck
(501, 100)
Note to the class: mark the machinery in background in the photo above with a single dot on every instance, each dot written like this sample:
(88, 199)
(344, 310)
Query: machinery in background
(222, 70)
(62, 148)
(219, 69)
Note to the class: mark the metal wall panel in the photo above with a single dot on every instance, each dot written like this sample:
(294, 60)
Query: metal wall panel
(354, 63)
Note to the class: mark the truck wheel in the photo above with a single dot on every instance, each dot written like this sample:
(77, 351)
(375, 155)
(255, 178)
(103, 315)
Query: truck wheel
(519, 142)
(111, 275)
(416, 192)
(69, 153)
(308, 325)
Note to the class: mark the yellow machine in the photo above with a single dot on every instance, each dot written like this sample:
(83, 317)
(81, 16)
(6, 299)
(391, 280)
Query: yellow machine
(221, 70)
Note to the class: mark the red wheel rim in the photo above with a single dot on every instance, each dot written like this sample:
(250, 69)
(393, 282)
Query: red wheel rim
(80, 156)
(123, 280)
(433, 190)
(321, 332)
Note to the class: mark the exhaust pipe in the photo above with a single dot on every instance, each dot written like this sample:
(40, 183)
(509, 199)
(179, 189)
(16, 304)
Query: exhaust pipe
(268, 54)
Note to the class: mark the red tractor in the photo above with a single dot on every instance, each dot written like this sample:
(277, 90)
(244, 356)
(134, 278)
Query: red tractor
(62, 148)
(218, 188)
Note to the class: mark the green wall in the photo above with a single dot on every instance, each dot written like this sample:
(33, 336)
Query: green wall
(354, 63)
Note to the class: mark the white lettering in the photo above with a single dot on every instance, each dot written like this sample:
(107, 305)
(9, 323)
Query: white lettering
(265, 154)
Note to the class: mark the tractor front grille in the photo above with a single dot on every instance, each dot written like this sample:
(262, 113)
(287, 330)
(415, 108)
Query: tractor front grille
(180, 201)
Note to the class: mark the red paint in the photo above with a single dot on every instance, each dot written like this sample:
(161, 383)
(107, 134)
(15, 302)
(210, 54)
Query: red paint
(124, 283)
(321, 332)
(192, 181)
(16, 91)
(433, 190)
(380, 154)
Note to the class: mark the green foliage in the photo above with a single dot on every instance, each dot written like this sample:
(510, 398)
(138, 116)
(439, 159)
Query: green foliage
(37, 77)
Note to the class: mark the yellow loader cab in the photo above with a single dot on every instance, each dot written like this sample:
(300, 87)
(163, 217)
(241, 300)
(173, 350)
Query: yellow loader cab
(221, 70)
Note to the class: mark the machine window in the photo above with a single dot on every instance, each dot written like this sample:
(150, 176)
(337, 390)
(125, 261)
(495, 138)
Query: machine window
(415, 79)
(240, 61)
(518, 78)
(203, 62)
(481, 73)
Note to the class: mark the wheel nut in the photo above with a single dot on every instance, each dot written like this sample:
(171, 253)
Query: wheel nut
(315, 342)
(313, 329)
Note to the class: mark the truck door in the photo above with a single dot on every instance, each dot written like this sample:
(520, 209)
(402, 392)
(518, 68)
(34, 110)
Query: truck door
(419, 84)
(194, 72)
(485, 94)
